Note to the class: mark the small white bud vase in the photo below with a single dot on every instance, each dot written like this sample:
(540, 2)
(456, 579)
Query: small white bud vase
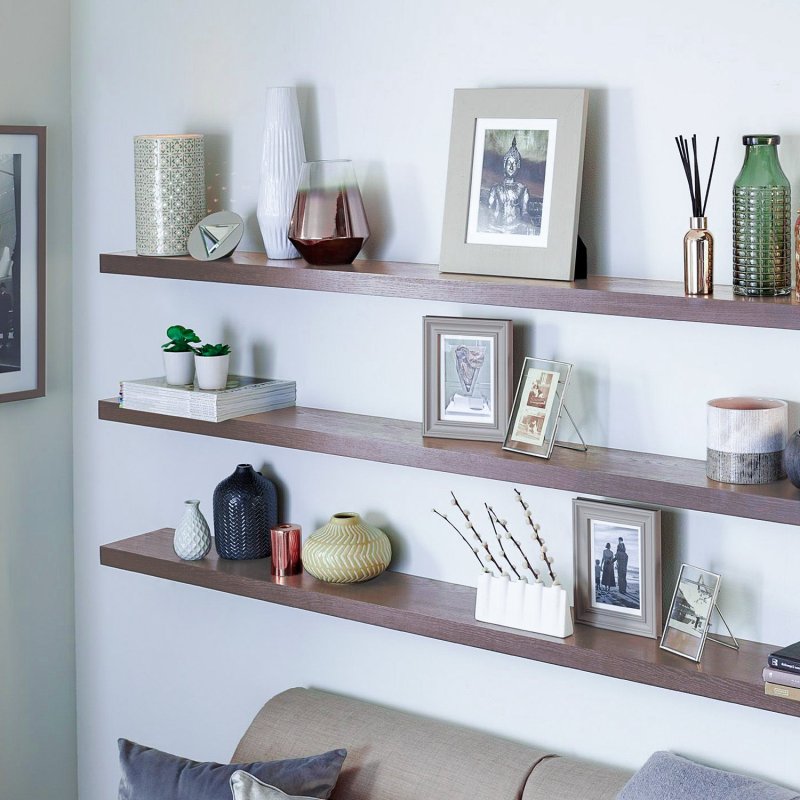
(282, 157)
(212, 371)
(192, 536)
(179, 368)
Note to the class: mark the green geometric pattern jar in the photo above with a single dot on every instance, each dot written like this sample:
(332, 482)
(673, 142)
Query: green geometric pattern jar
(762, 222)
(346, 550)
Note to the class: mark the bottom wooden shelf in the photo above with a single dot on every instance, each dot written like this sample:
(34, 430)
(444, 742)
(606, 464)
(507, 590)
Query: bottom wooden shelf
(444, 611)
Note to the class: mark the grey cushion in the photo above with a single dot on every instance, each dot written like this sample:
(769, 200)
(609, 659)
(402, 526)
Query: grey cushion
(668, 777)
(149, 774)
(245, 786)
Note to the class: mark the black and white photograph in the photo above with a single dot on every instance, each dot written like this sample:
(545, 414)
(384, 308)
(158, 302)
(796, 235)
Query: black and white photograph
(467, 391)
(467, 377)
(690, 612)
(617, 566)
(22, 262)
(511, 182)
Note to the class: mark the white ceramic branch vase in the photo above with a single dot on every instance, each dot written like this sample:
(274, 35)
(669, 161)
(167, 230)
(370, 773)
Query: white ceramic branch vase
(528, 606)
(282, 157)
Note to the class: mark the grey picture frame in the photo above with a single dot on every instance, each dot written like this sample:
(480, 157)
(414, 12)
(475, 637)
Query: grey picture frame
(647, 521)
(556, 261)
(26, 377)
(672, 637)
(500, 333)
(550, 412)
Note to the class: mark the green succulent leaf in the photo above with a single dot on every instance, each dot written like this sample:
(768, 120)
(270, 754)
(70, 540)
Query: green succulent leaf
(210, 350)
(180, 339)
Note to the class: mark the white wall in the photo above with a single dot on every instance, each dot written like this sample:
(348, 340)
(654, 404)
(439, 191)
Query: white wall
(37, 664)
(185, 669)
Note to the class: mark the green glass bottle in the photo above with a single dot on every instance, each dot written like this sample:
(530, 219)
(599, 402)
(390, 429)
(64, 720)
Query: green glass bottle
(762, 221)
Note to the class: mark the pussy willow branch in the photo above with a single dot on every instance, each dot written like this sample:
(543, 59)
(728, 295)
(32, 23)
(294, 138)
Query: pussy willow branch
(500, 541)
(504, 525)
(471, 526)
(466, 541)
(546, 558)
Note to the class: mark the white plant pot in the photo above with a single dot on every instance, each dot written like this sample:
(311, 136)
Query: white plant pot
(527, 606)
(179, 368)
(212, 371)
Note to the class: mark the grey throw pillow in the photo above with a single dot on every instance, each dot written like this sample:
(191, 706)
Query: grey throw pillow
(245, 786)
(149, 774)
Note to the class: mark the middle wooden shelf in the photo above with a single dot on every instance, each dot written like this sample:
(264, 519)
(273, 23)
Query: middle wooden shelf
(620, 474)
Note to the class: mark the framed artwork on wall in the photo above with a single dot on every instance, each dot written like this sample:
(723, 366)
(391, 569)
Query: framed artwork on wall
(22, 262)
(514, 182)
(695, 597)
(537, 407)
(467, 377)
(617, 567)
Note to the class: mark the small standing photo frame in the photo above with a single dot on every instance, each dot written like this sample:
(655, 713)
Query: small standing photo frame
(693, 602)
(537, 407)
(514, 182)
(617, 567)
(467, 380)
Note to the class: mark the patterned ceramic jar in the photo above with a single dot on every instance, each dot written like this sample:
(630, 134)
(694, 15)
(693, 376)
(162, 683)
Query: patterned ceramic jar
(347, 550)
(170, 192)
(192, 539)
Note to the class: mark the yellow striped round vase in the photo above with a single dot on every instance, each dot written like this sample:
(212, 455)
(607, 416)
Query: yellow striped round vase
(346, 550)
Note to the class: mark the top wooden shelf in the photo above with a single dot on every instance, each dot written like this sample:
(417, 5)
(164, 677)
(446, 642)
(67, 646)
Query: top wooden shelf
(624, 297)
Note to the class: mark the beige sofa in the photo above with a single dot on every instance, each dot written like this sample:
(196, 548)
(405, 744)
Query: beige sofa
(397, 756)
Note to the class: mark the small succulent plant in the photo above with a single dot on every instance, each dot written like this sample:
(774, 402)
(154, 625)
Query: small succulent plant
(209, 350)
(180, 340)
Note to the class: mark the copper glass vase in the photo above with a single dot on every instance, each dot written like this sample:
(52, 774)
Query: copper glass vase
(328, 224)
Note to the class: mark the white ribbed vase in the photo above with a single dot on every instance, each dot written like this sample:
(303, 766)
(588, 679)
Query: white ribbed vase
(192, 536)
(282, 156)
(346, 550)
(746, 437)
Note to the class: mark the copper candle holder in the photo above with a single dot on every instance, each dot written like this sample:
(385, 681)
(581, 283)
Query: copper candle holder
(286, 547)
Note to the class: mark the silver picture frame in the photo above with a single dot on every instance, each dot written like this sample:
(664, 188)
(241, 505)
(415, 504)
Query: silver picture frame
(514, 182)
(621, 593)
(538, 404)
(467, 377)
(687, 625)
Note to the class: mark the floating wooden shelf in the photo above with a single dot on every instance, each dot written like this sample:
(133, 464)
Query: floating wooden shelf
(445, 611)
(624, 297)
(620, 474)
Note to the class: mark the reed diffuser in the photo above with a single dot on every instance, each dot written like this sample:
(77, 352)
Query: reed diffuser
(698, 244)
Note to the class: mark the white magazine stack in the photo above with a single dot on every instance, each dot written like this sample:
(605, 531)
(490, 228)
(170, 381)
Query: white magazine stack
(243, 395)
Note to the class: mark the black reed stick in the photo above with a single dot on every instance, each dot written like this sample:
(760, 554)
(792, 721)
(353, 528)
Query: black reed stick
(691, 168)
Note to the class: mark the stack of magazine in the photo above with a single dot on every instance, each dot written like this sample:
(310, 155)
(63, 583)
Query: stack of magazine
(241, 396)
(782, 675)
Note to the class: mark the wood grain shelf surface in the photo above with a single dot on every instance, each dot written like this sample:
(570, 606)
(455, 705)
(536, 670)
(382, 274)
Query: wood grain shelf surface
(620, 474)
(625, 297)
(444, 611)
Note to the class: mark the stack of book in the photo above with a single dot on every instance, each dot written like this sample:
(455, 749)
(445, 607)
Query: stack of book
(782, 676)
(241, 396)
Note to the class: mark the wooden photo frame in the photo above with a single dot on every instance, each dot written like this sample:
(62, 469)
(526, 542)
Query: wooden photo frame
(467, 377)
(617, 567)
(22, 262)
(514, 182)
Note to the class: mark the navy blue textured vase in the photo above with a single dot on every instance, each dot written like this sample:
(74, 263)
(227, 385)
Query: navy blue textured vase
(245, 508)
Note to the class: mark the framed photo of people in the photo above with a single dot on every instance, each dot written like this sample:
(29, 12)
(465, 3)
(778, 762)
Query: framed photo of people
(514, 182)
(467, 377)
(537, 407)
(617, 567)
(22, 262)
(695, 597)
